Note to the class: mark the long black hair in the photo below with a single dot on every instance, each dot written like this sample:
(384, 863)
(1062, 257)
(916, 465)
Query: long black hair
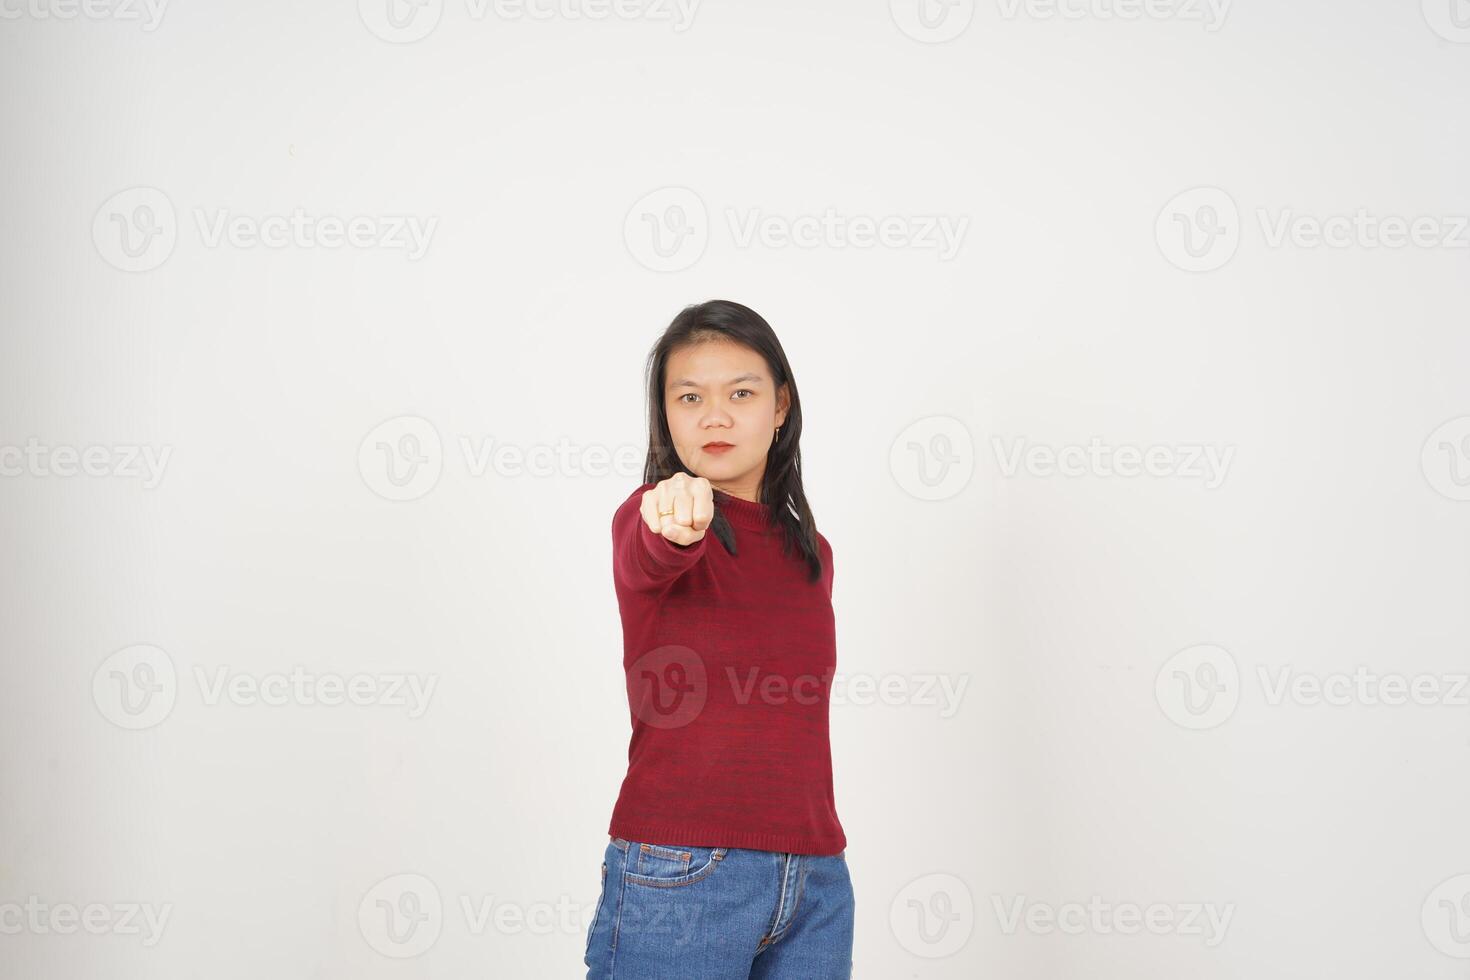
(781, 488)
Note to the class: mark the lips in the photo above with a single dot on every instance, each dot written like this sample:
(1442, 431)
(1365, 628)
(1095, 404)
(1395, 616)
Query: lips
(717, 447)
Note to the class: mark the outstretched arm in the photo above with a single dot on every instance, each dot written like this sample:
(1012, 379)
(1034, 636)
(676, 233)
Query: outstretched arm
(659, 534)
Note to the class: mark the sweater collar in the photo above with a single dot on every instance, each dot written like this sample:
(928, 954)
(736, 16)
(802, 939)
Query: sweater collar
(743, 513)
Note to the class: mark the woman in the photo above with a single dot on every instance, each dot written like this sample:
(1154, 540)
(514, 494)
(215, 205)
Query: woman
(726, 858)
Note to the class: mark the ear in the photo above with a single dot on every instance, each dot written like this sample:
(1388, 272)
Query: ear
(783, 404)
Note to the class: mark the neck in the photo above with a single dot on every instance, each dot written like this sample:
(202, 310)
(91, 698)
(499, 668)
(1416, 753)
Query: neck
(744, 493)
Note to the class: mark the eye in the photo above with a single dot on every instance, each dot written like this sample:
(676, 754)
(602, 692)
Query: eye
(747, 391)
(687, 394)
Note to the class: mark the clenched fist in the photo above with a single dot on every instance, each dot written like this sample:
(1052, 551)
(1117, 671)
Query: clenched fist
(679, 508)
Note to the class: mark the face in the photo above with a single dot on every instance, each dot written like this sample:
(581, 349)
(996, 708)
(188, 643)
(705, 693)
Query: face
(721, 392)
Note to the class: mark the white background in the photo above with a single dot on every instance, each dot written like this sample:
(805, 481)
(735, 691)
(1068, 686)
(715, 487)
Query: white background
(1073, 765)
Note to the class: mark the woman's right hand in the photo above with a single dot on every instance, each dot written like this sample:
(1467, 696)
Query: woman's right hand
(692, 502)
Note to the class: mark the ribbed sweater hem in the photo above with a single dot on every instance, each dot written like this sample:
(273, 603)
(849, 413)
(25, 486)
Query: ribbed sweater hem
(699, 837)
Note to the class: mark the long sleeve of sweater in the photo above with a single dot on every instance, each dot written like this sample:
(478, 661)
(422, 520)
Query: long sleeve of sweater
(644, 561)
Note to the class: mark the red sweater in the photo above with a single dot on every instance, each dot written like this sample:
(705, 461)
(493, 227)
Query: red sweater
(728, 662)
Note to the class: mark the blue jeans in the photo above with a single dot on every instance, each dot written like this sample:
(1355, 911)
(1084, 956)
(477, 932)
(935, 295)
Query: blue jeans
(675, 912)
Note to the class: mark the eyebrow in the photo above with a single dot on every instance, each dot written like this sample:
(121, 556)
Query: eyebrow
(686, 383)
